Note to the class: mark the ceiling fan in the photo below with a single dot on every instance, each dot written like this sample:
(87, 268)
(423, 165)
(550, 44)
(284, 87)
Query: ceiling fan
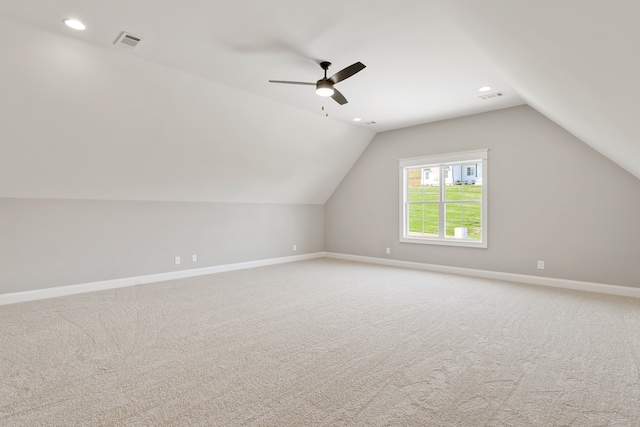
(324, 86)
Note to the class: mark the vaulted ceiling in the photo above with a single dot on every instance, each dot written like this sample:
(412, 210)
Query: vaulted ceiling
(190, 115)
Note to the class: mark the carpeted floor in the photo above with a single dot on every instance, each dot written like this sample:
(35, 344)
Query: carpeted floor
(322, 343)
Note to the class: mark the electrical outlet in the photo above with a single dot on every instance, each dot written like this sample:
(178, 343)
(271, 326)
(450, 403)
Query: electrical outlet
(388, 251)
(177, 260)
(194, 258)
(540, 265)
(295, 248)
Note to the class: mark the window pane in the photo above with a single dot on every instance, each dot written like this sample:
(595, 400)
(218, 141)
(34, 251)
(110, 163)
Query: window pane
(472, 192)
(453, 218)
(423, 184)
(463, 220)
(415, 218)
(473, 184)
(471, 212)
(474, 230)
(453, 191)
(464, 181)
(423, 219)
(453, 183)
(471, 217)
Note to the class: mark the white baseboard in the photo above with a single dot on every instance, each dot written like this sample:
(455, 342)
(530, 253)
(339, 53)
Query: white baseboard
(140, 280)
(626, 291)
(173, 275)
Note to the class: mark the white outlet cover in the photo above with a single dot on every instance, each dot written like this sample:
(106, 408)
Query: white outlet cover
(295, 248)
(177, 260)
(194, 258)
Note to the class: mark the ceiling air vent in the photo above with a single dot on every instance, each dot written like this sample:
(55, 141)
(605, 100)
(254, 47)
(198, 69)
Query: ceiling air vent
(128, 41)
(491, 95)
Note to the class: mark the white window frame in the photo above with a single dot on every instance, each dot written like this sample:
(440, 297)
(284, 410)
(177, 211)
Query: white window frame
(442, 161)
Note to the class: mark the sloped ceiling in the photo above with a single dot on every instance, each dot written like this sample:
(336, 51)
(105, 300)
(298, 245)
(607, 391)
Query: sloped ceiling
(82, 122)
(190, 115)
(421, 66)
(574, 61)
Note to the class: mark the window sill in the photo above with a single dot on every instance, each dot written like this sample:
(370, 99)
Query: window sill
(444, 242)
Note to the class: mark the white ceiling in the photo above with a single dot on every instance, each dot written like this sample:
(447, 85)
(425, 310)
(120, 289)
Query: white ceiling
(204, 68)
(420, 66)
(575, 61)
(79, 121)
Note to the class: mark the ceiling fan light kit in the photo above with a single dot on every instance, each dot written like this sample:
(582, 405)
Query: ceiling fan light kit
(325, 86)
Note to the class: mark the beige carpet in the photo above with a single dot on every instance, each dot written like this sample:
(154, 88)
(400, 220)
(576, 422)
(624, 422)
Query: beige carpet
(322, 343)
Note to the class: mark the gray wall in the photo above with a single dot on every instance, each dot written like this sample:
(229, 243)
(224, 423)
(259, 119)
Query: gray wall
(48, 242)
(551, 198)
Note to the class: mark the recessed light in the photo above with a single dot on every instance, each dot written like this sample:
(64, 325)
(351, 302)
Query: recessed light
(357, 119)
(484, 88)
(75, 24)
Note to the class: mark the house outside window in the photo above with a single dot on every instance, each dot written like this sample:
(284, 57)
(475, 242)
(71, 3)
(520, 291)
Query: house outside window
(430, 176)
(450, 210)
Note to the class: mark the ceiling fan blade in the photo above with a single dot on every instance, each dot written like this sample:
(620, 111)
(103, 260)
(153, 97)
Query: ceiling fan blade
(347, 72)
(339, 98)
(292, 83)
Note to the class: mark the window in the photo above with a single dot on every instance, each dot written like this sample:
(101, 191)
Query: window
(449, 208)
